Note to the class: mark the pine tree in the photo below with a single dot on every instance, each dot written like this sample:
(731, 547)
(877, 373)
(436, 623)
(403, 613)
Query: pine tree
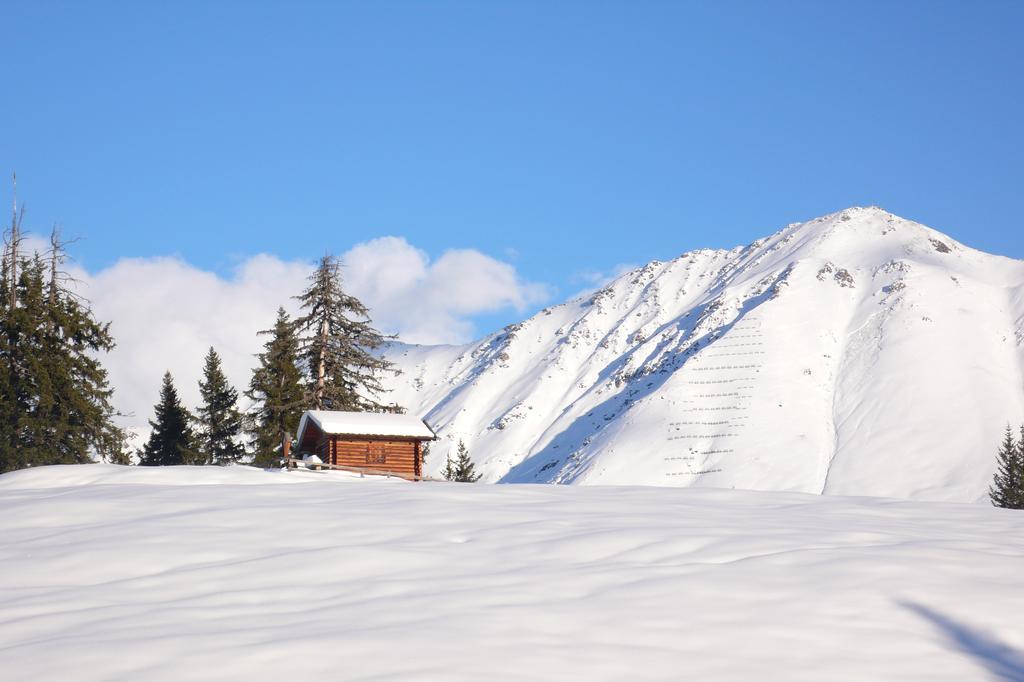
(1007, 488)
(449, 468)
(27, 389)
(82, 412)
(220, 422)
(1020, 470)
(171, 440)
(20, 351)
(336, 344)
(55, 399)
(275, 391)
(1020, 459)
(462, 470)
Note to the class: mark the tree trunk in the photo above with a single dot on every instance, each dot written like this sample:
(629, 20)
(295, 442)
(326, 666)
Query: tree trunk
(13, 293)
(321, 368)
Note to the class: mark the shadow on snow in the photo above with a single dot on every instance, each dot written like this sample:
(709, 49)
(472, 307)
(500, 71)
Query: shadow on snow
(1003, 662)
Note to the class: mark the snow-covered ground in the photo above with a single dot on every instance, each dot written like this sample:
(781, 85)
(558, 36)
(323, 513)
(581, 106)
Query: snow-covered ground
(111, 573)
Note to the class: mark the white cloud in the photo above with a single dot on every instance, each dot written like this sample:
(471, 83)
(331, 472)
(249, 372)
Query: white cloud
(166, 313)
(433, 302)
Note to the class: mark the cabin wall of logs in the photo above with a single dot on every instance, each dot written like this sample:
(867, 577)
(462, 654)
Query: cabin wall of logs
(401, 457)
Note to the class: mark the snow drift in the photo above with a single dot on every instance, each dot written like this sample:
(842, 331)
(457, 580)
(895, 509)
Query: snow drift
(188, 573)
(855, 354)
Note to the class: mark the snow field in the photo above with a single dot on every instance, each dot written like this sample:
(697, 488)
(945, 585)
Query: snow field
(112, 573)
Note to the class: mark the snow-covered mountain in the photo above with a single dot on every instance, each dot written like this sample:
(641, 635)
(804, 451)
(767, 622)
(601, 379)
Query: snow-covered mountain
(855, 354)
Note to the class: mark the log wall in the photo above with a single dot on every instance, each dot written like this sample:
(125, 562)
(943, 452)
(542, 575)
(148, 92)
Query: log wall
(400, 457)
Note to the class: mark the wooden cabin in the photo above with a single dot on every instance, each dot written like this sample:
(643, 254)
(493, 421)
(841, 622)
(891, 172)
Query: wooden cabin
(390, 443)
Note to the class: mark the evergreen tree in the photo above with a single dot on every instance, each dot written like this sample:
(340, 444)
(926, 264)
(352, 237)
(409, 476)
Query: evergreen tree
(55, 399)
(1007, 488)
(336, 344)
(27, 389)
(81, 412)
(220, 422)
(1020, 459)
(449, 468)
(462, 470)
(275, 391)
(15, 391)
(171, 440)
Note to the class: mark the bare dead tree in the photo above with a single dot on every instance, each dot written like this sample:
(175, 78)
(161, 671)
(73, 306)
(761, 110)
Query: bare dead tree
(58, 255)
(12, 242)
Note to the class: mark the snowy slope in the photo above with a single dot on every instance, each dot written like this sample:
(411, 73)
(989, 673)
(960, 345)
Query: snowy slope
(855, 354)
(182, 573)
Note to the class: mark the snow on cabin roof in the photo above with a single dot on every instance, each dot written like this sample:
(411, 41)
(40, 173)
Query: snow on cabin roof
(366, 424)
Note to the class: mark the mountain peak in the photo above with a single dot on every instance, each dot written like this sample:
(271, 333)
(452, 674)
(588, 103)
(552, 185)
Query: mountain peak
(864, 236)
(868, 210)
(814, 359)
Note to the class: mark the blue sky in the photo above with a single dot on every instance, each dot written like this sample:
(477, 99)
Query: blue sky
(563, 137)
